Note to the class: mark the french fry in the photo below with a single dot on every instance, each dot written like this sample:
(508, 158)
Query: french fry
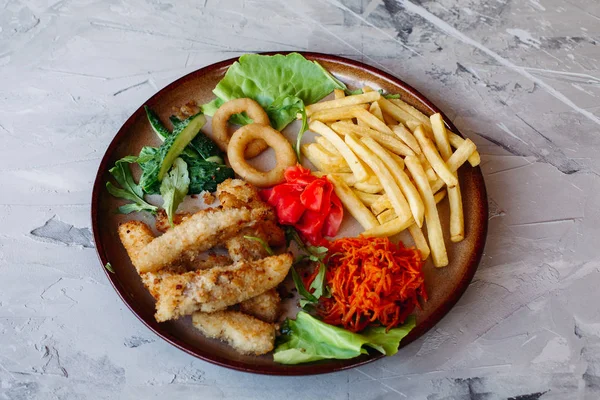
(388, 119)
(408, 189)
(434, 158)
(328, 146)
(439, 196)
(456, 141)
(394, 111)
(385, 177)
(371, 185)
(372, 121)
(407, 108)
(335, 114)
(367, 198)
(399, 160)
(325, 161)
(343, 102)
(353, 162)
(432, 218)
(458, 158)
(407, 137)
(376, 111)
(355, 207)
(367, 89)
(338, 94)
(461, 155)
(382, 204)
(390, 228)
(420, 241)
(457, 223)
(386, 216)
(390, 142)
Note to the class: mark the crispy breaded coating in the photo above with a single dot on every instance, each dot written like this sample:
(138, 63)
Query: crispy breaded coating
(244, 333)
(240, 248)
(135, 235)
(264, 306)
(200, 232)
(162, 220)
(217, 288)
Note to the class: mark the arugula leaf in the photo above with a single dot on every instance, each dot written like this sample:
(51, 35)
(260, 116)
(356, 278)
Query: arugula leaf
(307, 297)
(264, 244)
(174, 187)
(273, 80)
(128, 190)
(109, 268)
(307, 339)
(315, 254)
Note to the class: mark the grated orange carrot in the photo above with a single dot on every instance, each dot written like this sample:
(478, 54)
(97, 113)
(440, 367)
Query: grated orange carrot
(372, 281)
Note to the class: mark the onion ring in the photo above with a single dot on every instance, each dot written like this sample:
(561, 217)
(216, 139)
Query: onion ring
(284, 154)
(220, 133)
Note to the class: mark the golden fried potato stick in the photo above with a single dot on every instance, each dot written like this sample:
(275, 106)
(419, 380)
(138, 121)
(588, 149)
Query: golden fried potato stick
(457, 222)
(363, 115)
(353, 162)
(390, 142)
(335, 114)
(384, 175)
(434, 158)
(458, 158)
(343, 102)
(352, 203)
(246, 334)
(432, 218)
(420, 241)
(390, 228)
(368, 198)
(408, 189)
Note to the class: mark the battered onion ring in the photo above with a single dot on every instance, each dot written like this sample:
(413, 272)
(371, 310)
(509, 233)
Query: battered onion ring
(284, 154)
(220, 133)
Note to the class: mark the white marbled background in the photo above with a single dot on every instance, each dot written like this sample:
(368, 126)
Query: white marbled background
(519, 77)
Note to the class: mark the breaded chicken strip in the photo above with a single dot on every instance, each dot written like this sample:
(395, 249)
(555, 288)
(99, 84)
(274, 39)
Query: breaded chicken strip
(264, 306)
(136, 234)
(200, 232)
(244, 333)
(217, 288)
(236, 193)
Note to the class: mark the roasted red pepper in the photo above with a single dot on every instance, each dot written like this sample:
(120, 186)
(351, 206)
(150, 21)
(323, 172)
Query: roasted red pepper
(308, 203)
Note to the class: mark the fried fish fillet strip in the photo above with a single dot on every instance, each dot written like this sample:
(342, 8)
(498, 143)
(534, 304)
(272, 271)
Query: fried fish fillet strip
(136, 234)
(200, 232)
(264, 306)
(217, 288)
(244, 333)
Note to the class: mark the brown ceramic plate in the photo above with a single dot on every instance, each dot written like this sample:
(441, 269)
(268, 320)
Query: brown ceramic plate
(445, 285)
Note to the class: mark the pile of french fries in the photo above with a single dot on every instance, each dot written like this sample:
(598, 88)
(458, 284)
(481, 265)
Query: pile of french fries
(390, 165)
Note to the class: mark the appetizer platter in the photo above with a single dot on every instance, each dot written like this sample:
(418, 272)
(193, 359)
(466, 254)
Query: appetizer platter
(289, 213)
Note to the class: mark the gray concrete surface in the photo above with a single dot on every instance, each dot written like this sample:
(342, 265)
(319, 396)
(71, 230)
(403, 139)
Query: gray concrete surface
(519, 77)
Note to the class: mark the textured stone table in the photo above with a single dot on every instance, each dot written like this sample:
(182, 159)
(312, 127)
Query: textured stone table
(519, 77)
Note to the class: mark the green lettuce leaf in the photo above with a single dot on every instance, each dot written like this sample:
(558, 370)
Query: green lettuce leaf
(128, 190)
(307, 339)
(275, 82)
(174, 187)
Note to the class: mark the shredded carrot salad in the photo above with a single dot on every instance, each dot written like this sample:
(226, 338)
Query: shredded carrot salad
(372, 281)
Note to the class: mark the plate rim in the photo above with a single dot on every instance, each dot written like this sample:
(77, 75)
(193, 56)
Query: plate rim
(296, 370)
